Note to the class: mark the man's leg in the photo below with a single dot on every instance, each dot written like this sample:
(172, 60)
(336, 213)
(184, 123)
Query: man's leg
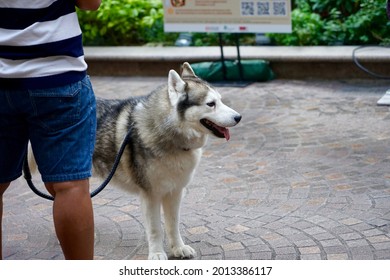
(73, 218)
(3, 187)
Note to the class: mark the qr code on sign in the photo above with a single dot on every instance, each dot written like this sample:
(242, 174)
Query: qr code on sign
(263, 8)
(247, 8)
(279, 8)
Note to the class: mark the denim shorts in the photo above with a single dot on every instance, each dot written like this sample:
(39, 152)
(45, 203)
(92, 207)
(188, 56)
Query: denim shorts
(59, 122)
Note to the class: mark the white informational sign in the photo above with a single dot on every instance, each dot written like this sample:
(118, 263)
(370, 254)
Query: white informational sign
(227, 16)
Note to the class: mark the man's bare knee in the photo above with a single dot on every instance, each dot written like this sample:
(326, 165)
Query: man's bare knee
(81, 186)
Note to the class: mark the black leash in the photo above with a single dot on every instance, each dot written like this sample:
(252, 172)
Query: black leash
(28, 177)
(358, 64)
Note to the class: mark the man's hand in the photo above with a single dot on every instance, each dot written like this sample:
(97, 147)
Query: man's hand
(88, 4)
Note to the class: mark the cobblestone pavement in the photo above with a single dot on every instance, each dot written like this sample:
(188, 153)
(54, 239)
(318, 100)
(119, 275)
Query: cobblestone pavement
(306, 175)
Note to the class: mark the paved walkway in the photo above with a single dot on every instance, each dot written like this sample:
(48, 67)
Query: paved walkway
(306, 175)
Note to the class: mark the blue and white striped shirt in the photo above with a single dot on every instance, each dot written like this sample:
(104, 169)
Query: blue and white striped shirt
(40, 44)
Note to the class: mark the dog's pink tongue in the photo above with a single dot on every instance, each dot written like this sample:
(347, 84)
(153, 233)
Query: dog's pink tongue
(226, 133)
(223, 130)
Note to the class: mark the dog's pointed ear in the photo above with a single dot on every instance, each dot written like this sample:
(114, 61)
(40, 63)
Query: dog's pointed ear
(186, 70)
(176, 87)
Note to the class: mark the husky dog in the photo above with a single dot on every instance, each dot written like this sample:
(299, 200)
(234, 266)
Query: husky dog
(168, 127)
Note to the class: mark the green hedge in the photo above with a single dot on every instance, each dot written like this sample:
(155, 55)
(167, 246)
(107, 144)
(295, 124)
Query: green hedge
(337, 22)
(315, 22)
(124, 22)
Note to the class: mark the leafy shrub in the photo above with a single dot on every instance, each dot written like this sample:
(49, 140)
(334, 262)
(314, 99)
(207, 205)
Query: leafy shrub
(124, 22)
(334, 22)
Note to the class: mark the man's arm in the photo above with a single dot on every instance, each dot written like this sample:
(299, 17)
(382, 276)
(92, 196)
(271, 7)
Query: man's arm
(88, 4)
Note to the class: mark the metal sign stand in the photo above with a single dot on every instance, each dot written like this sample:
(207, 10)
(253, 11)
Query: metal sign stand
(225, 82)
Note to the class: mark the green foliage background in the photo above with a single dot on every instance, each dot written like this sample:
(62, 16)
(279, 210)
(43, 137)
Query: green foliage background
(125, 22)
(337, 22)
(315, 22)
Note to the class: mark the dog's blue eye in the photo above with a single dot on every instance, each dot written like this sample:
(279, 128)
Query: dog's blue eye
(211, 104)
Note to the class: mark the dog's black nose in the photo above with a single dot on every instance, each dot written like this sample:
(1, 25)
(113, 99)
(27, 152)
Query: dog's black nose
(237, 118)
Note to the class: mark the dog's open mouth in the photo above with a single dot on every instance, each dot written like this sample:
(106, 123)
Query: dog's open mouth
(219, 131)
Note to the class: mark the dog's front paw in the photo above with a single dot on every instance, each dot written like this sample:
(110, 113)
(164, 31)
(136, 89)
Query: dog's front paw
(183, 252)
(157, 256)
